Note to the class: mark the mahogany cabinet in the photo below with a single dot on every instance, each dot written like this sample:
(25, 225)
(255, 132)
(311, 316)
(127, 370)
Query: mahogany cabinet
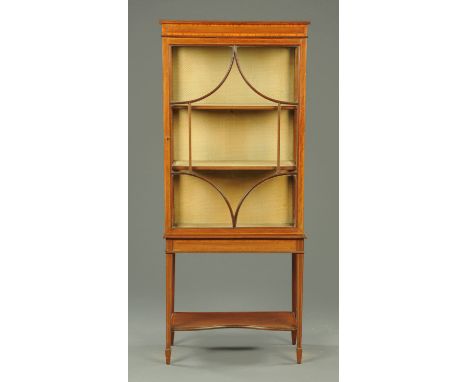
(234, 121)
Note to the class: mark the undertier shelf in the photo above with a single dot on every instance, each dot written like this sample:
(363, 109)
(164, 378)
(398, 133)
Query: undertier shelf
(233, 165)
(218, 320)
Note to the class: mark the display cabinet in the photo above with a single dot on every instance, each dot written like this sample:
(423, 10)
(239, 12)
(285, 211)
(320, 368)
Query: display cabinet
(234, 117)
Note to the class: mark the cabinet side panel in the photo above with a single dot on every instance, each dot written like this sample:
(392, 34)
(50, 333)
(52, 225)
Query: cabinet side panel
(167, 77)
(301, 133)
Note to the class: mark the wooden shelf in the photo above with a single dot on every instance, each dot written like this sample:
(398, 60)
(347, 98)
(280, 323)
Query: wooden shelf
(217, 320)
(233, 165)
(234, 107)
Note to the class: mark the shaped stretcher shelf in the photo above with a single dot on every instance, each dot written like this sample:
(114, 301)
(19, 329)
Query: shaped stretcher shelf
(218, 320)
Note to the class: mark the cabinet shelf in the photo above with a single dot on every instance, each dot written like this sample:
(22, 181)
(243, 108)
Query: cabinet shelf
(222, 165)
(234, 107)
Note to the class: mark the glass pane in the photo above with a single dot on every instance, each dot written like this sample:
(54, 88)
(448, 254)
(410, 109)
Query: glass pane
(233, 130)
(198, 204)
(198, 70)
(270, 70)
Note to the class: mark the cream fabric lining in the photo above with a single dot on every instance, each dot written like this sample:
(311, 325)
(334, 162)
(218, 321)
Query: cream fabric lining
(198, 70)
(198, 204)
(233, 135)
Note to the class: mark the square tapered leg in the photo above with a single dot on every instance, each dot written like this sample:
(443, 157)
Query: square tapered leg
(299, 266)
(293, 297)
(173, 293)
(170, 267)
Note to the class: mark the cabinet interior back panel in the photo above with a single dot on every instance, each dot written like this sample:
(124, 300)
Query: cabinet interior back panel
(233, 135)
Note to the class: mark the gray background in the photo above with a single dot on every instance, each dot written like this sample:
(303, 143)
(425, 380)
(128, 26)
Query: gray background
(232, 282)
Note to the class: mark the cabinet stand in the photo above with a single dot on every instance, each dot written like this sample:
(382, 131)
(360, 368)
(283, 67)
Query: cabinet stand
(278, 320)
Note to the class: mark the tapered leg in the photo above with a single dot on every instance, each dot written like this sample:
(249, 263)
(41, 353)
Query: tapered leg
(293, 299)
(299, 280)
(169, 303)
(173, 293)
